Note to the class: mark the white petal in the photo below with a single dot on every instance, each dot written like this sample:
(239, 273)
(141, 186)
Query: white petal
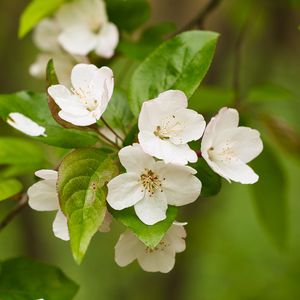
(194, 125)
(78, 40)
(166, 150)
(134, 159)
(246, 142)
(38, 68)
(78, 120)
(47, 174)
(128, 248)
(124, 191)
(152, 209)
(108, 39)
(180, 186)
(60, 226)
(236, 170)
(25, 125)
(45, 35)
(158, 261)
(43, 196)
(172, 100)
(105, 226)
(175, 236)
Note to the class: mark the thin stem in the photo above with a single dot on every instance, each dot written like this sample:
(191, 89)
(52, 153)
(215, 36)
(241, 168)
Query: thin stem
(199, 20)
(16, 210)
(111, 129)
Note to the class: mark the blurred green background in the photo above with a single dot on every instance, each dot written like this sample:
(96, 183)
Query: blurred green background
(229, 256)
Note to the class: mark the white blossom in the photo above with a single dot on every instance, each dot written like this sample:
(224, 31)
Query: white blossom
(166, 126)
(150, 186)
(227, 147)
(87, 100)
(85, 28)
(43, 197)
(158, 259)
(25, 124)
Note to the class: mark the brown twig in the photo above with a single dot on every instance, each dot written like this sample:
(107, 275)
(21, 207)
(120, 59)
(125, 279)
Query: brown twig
(16, 210)
(111, 129)
(198, 21)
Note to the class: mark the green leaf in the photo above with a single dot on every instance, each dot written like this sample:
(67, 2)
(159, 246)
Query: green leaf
(26, 279)
(180, 63)
(19, 156)
(51, 73)
(150, 235)
(211, 99)
(118, 114)
(83, 175)
(270, 197)
(211, 182)
(36, 11)
(128, 14)
(131, 136)
(9, 188)
(35, 107)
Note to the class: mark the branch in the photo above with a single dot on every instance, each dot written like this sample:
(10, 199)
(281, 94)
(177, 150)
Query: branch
(199, 20)
(16, 210)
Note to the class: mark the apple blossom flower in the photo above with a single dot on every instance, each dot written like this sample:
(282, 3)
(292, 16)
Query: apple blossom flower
(25, 124)
(43, 197)
(151, 185)
(227, 147)
(85, 28)
(158, 259)
(89, 96)
(166, 126)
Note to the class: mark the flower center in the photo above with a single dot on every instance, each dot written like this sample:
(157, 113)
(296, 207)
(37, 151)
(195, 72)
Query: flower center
(160, 247)
(151, 182)
(223, 153)
(170, 127)
(84, 97)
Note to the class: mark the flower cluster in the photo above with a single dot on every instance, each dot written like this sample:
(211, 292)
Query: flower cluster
(76, 29)
(157, 172)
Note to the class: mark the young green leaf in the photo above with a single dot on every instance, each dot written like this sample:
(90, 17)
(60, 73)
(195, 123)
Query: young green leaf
(83, 175)
(36, 11)
(35, 107)
(19, 156)
(149, 235)
(180, 63)
(211, 182)
(270, 197)
(129, 14)
(9, 188)
(26, 279)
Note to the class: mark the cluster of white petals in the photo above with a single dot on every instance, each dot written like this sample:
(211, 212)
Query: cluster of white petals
(85, 102)
(25, 124)
(167, 126)
(150, 185)
(76, 29)
(227, 147)
(158, 259)
(43, 197)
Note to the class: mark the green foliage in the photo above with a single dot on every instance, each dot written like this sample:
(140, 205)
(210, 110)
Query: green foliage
(211, 182)
(9, 188)
(270, 197)
(26, 279)
(128, 14)
(35, 12)
(180, 63)
(19, 156)
(150, 235)
(51, 74)
(118, 114)
(35, 107)
(131, 136)
(83, 175)
(149, 40)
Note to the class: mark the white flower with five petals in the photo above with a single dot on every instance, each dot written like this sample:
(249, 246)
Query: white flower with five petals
(25, 124)
(227, 147)
(166, 126)
(159, 259)
(85, 28)
(89, 97)
(150, 186)
(43, 197)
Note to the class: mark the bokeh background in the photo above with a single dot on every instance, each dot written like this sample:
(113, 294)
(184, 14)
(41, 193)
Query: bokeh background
(229, 256)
